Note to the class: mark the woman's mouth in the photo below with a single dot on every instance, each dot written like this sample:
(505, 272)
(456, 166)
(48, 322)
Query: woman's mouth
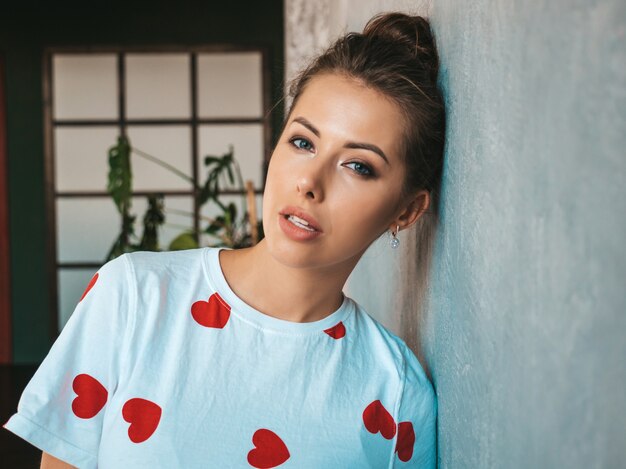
(296, 228)
(300, 218)
(299, 222)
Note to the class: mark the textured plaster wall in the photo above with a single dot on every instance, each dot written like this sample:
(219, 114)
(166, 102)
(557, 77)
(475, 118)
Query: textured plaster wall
(515, 301)
(525, 336)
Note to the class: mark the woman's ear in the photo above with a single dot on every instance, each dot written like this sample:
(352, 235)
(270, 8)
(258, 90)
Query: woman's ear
(412, 210)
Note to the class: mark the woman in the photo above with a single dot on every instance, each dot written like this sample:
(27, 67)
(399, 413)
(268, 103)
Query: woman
(254, 357)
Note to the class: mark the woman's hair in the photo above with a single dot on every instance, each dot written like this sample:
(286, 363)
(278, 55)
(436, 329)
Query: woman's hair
(395, 55)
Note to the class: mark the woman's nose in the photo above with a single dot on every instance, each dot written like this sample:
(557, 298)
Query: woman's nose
(309, 181)
(309, 188)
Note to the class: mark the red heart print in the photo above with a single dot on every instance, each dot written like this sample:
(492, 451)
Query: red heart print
(92, 396)
(212, 313)
(143, 416)
(337, 331)
(90, 285)
(377, 419)
(405, 441)
(269, 451)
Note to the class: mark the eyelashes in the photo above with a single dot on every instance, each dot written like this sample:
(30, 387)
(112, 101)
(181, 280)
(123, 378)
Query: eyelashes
(294, 139)
(369, 172)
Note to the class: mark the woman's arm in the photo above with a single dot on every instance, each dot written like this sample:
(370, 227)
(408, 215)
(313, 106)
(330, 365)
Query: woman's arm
(50, 462)
(91, 341)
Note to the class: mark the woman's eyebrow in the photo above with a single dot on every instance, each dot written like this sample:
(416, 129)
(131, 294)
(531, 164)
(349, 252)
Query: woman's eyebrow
(358, 145)
(307, 124)
(367, 146)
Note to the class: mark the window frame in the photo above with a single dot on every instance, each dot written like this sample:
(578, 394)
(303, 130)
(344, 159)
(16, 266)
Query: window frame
(122, 122)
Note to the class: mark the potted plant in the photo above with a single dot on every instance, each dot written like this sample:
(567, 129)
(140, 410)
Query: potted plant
(231, 228)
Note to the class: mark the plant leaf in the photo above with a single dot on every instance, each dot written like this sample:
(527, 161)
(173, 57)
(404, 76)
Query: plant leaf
(232, 209)
(152, 220)
(183, 241)
(120, 175)
(208, 160)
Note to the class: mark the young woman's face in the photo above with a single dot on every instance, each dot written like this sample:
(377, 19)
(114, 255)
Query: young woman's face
(319, 166)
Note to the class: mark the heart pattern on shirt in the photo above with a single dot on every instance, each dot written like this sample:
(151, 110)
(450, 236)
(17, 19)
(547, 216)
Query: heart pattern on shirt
(377, 419)
(212, 313)
(337, 331)
(143, 416)
(405, 441)
(91, 396)
(90, 285)
(270, 450)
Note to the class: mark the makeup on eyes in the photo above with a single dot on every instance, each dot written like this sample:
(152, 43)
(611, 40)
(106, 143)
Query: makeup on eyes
(370, 171)
(358, 145)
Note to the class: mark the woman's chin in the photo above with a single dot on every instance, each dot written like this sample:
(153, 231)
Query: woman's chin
(292, 253)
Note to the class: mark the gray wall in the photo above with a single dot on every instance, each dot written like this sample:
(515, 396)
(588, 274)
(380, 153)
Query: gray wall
(526, 329)
(514, 301)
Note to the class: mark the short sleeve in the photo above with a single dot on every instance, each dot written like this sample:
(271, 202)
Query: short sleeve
(61, 410)
(416, 434)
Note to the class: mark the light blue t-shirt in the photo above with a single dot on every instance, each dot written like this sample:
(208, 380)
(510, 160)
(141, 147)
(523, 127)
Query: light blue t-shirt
(162, 365)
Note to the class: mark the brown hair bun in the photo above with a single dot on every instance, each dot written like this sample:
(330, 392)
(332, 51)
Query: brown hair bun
(412, 33)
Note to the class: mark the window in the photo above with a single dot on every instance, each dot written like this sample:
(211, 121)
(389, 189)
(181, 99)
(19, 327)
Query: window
(178, 105)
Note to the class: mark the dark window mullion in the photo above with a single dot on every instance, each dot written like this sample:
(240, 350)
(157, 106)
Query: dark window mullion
(75, 194)
(121, 90)
(111, 122)
(193, 70)
(79, 265)
(70, 194)
(51, 200)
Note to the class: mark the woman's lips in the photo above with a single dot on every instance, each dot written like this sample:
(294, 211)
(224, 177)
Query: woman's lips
(300, 213)
(295, 232)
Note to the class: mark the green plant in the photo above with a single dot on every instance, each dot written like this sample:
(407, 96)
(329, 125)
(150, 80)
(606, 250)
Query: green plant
(232, 228)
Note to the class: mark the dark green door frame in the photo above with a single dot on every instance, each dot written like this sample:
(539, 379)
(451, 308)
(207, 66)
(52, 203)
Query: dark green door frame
(5, 277)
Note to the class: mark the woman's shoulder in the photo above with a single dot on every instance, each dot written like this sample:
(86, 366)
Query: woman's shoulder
(146, 266)
(175, 272)
(383, 342)
(160, 259)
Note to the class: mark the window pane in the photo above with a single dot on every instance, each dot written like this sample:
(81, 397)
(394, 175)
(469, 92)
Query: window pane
(81, 157)
(88, 226)
(230, 84)
(158, 86)
(247, 142)
(85, 86)
(171, 144)
(72, 284)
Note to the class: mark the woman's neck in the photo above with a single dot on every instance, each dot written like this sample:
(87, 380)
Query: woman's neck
(296, 294)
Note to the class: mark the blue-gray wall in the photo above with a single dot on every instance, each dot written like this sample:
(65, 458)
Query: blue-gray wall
(525, 335)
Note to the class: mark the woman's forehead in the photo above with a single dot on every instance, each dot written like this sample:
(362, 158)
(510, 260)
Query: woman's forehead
(343, 107)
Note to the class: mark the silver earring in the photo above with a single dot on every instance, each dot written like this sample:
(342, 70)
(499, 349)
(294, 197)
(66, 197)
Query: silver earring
(395, 242)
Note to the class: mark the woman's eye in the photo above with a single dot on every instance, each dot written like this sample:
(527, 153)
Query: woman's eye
(307, 145)
(362, 169)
